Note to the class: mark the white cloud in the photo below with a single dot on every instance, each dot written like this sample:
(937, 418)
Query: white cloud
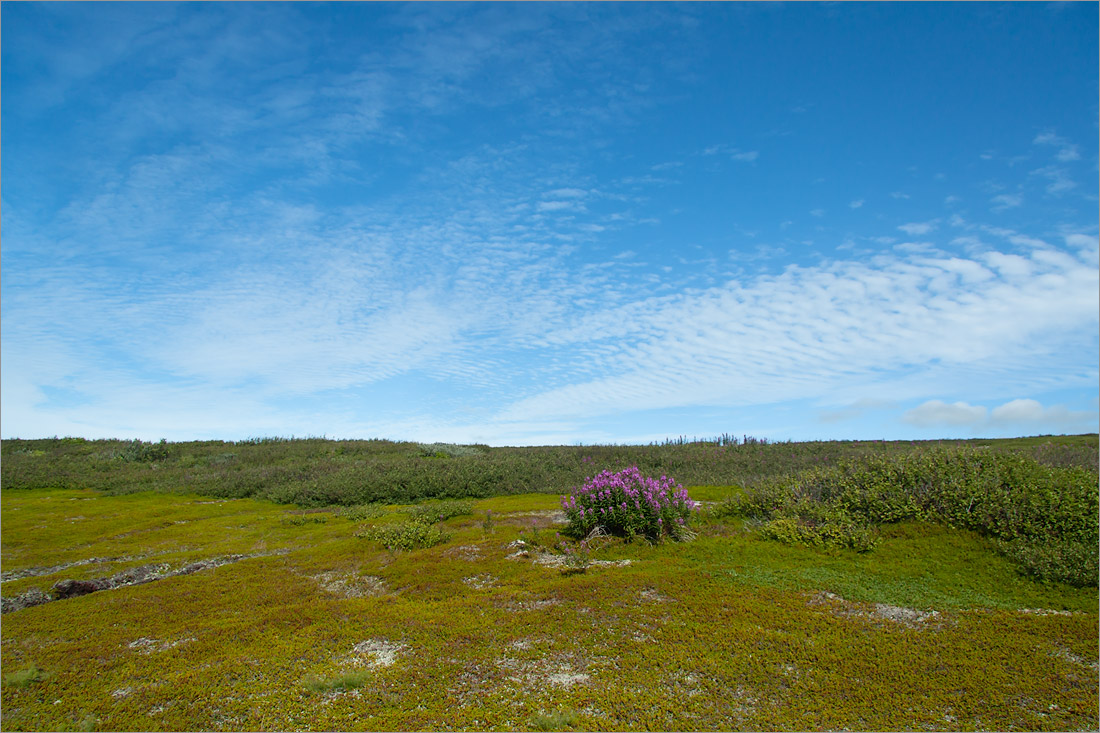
(1066, 151)
(916, 228)
(1006, 201)
(1060, 182)
(935, 413)
(556, 205)
(1026, 416)
(855, 204)
(747, 156)
(1031, 413)
(817, 212)
(899, 195)
(567, 193)
(943, 320)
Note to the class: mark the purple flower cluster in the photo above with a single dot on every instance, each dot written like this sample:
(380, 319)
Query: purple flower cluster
(628, 503)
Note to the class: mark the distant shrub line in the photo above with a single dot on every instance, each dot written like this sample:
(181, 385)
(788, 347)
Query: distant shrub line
(1043, 517)
(316, 472)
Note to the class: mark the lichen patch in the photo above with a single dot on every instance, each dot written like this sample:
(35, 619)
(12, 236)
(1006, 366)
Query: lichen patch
(349, 585)
(375, 653)
(908, 617)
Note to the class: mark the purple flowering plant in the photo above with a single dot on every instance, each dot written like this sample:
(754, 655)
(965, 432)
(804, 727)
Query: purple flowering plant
(627, 503)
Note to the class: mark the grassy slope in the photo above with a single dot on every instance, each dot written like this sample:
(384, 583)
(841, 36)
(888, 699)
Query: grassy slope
(725, 632)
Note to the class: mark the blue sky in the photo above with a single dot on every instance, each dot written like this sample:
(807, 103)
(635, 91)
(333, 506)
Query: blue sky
(549, 223)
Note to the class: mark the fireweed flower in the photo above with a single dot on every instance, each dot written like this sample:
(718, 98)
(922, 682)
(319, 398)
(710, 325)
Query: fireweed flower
(627, 502)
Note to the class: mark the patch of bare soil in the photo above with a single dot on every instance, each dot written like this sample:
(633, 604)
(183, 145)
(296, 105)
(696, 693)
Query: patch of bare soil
(145, 645)
(480, 582)
(653, 596)
(557, 670)
(351, 585)
(374, 653)
(50, 570)
(907, 617)
(72, 588)
(470, 553)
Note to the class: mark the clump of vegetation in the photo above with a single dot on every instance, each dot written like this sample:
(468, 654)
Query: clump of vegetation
(577, 557)
(360, 512)
(405, 536)
(440, 511)
(346, 681)
(140, 452)
(26, 677)
(554, 720)
(1044, 517)
(842, 535)
(629, 504)
(448, 450)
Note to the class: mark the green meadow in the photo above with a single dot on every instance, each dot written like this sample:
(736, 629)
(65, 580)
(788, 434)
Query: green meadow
(279, 585)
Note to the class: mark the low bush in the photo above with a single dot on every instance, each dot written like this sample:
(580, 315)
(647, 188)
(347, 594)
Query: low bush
(1043, 517)
(448, 450)
(628, 504)
(405, 536)
(841, 535)
(362, 511)
(440, 511)
(141, 452)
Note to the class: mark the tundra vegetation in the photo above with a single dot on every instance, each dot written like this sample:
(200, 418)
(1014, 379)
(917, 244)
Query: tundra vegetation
(369, 585)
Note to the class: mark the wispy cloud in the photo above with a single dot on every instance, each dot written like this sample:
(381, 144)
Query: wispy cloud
(856, 204)
(916, 228)
(747, 156)
(1066, 150)
(1059, 180)
(1006, 201)
(815, 329)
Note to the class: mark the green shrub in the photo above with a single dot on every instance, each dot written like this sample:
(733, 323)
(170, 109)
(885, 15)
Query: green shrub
(447, 450)
(1045, 517)
(1062, 561)
(440, 511)
(793, 530)
(140, 452)
(362, 511)
(405, 536)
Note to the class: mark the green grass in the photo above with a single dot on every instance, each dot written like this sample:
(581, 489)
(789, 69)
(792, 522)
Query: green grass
(320, 629)
(554, 720)
(344, 681)
(25, 677)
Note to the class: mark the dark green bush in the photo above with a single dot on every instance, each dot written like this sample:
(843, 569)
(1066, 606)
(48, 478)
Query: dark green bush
(141, 452)
(440, 511)
(1044, 517)
(842, 535)
(405, 536)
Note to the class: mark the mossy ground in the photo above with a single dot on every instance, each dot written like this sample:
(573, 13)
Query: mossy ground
(319, 629)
